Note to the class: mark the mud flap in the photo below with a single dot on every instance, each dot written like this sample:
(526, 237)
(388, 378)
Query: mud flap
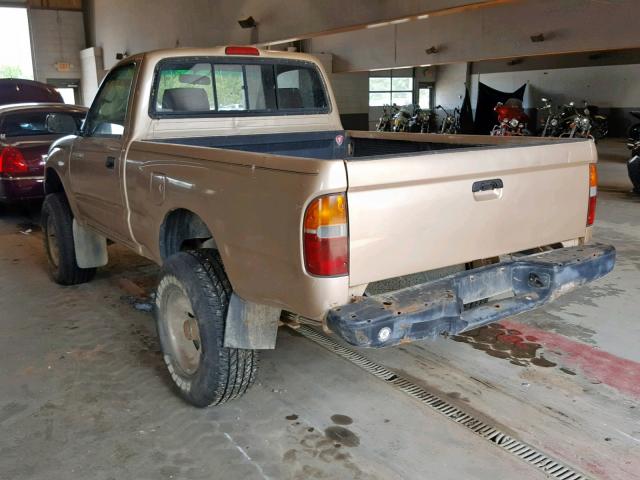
(251, 325)
(91, 248)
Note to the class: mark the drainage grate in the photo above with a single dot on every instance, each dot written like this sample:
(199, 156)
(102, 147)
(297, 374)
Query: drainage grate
(529, 454)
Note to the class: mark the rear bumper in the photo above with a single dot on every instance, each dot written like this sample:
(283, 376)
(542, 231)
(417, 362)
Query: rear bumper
(438, 307)
(16, 188)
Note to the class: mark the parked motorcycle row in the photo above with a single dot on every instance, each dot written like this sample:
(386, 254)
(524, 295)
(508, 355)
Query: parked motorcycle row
(572, 121)
(568, 120)
(412, 118)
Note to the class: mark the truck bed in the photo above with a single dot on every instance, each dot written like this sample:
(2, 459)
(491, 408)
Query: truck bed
(447, 199)
(363, 145)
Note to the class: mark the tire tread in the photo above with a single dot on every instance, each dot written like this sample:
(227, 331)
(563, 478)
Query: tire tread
(238, 367)
(68, 272)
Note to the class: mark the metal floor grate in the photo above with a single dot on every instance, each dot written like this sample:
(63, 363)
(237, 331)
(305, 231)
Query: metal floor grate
(551, 467)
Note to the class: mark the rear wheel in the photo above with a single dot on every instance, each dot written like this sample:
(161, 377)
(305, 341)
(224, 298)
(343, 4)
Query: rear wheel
(57, 227)
(191, 308)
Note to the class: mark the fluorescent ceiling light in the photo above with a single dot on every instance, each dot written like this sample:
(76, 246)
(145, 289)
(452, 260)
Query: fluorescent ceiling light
(376, 25)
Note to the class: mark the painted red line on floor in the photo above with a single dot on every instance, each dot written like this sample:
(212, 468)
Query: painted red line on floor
(616, 372)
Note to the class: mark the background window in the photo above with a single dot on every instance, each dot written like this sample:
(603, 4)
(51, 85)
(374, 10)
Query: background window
(15, 48)
(261, 90)
(378, 99)
(109, 109)
(379, 84)
(35, 123)
(388, 90)
(185, 88)
(424, 98)
(402, 84)
(299, 87)
(230, 87)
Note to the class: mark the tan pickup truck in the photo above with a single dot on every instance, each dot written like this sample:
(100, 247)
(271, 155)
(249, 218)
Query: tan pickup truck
(230, 168)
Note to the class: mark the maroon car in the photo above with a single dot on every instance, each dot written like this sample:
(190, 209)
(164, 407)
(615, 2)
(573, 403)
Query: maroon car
(26, 132)
(19, 90)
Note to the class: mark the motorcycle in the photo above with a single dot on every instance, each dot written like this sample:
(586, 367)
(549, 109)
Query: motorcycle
(401, 120)
(633, 164)
(599, 123)
(385, 121)
(451, 122)
(634, 130)
(511, 119)
(573, 122)
(420, 120)
(551, 123)
(584, 122)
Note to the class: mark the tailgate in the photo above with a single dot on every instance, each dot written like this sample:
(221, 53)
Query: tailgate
(420, 212)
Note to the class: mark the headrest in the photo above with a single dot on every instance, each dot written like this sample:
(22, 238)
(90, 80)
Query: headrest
(289, 98)
(186, 100)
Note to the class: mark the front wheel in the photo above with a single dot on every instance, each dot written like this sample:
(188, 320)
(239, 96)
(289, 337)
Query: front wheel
(57, 227)
(192, 300)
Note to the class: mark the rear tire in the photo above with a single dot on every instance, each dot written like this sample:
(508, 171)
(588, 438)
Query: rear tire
(57, 227)
(192, 300)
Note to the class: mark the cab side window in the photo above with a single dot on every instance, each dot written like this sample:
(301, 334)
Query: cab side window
(109, 109)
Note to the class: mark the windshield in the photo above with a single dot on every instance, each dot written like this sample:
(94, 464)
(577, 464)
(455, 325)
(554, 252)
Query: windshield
(219, 86)
(23, 124)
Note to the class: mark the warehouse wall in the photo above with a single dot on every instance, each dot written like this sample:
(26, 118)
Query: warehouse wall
(134, 26)
(352, 96)
(450, 86)
(56, 36)
(119, 26)
(350, 91)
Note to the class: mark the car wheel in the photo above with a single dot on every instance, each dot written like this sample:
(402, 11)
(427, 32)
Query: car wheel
(192, 300)
(57, 227)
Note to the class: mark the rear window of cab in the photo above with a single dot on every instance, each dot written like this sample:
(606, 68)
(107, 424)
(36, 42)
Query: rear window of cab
(236, 87)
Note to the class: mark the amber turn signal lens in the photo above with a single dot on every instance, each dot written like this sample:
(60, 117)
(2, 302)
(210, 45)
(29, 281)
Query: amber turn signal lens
(326, 236)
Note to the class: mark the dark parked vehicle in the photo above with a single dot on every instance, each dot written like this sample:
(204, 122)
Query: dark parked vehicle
(18, 90)
(634, 130)
(633, 165)
(26, 132)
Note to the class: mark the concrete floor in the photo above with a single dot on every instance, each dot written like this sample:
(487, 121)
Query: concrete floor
(84, 393)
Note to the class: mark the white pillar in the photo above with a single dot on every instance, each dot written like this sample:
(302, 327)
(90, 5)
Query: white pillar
(92, 72)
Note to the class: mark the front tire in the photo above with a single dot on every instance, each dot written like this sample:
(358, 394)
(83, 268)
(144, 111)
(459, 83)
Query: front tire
(57, 227)
(192, 300)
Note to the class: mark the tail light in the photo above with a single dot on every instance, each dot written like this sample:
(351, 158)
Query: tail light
(12, 162)
(326, 236)
(593, 194)
(241, 50)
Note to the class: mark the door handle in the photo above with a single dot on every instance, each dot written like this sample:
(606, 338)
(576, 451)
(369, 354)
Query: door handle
(487, 189)
(110, 162)
(484, 185)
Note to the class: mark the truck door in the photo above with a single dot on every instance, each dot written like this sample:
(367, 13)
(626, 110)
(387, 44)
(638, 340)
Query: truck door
(97, 158)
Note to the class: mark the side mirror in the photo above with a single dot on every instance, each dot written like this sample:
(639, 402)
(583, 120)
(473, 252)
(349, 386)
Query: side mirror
(61, 124)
